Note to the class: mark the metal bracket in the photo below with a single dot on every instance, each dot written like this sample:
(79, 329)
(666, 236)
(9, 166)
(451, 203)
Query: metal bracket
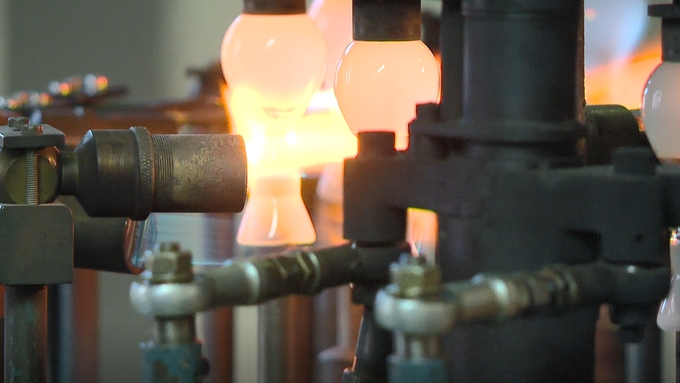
(12, 138)
(37, 244)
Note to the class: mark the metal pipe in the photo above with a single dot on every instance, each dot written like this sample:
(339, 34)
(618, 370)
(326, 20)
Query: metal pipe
(174, 331)
(272, 320)
(374, 346)
(132, 173)
(537, 85)
(634, 363)
(300, 272)
(25, 334)
(215, 327)
(73, 322)
(248, 282)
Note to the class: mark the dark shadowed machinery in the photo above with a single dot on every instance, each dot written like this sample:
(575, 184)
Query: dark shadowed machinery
(548, 211)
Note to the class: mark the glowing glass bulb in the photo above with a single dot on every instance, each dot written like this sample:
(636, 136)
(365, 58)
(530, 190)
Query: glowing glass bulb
(274, 64)
(334, 19)
(378, 85)
(668, 318)
(660, 111)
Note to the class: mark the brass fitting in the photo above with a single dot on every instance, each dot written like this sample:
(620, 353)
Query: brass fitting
(414, 278)
(168, 263)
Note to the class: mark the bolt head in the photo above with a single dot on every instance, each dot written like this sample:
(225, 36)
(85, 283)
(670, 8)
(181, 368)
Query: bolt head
(17, 122)
(31, 130)
(168, 264)
(415, 278)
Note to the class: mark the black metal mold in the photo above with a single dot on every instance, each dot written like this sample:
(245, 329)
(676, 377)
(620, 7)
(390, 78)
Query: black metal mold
(386, 20)
(670, 29)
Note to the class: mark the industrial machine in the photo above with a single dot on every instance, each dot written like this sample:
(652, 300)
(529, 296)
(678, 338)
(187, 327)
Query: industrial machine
(547, 209)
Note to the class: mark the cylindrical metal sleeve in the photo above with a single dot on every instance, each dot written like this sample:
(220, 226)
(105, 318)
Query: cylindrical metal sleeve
(131, 173)
(274, 7)
(452, 60)
(670, 29)
(670, 39)
(105, 244)
(108, 176)
(386, 20)
(520, 60)
(174, 331)
(199, 173)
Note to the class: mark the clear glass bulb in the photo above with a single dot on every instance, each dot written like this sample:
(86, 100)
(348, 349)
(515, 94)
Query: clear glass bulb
(661, 111)
(378, 85)
(273, 64)
(668, 318)
(334, 19)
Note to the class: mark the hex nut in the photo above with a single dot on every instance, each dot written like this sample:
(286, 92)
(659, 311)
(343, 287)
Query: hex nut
(416, 279)
(168, 264)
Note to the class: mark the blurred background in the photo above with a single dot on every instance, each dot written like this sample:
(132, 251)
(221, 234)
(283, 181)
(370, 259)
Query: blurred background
(148, 45)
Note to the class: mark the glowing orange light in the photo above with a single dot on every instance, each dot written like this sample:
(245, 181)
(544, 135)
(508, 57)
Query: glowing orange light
(102, 83)
(334, 19)
(620, 82)
(64, 89)
(590, 14)
(378, 85)
(273, 64)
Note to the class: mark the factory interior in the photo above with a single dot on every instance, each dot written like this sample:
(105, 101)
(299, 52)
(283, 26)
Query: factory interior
(340, 191)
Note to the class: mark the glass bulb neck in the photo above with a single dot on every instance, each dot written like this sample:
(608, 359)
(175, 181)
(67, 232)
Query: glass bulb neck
(274, 7)
(392, 20)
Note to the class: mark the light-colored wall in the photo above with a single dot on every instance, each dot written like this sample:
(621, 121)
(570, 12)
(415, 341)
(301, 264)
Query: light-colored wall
(4, 40)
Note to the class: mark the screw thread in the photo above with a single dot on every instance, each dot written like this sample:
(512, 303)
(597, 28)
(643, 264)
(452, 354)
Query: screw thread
(32, 196)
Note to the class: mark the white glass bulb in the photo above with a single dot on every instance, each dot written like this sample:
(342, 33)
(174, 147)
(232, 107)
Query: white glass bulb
(379, 84)
(272, 217)
(668, 318)
(273, 64)
(661, 111)
(334, 19)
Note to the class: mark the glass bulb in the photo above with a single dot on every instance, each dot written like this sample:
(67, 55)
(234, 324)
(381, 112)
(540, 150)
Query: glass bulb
(668, 318)
(273, 214)
(378, 85)
(273, 64)
(661, 111)
(334, 19)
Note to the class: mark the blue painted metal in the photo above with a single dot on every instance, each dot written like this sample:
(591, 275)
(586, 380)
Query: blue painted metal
(180, 363)
(417, 371)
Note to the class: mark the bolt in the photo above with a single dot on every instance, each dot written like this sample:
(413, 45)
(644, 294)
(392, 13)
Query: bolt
(17, 122)
(415, 278)
(168, 264)
(169, 246)
(32, 177)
